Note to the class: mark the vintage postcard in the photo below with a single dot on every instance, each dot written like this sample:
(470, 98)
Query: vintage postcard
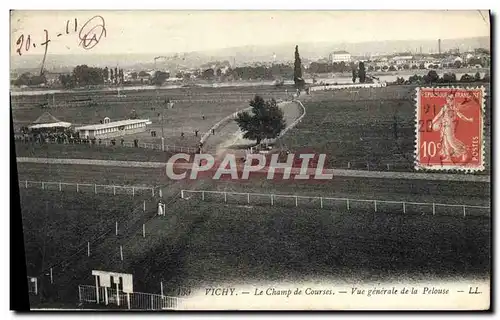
(252, 160)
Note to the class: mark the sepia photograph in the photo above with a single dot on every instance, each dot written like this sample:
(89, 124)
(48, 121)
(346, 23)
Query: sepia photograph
(179, 160)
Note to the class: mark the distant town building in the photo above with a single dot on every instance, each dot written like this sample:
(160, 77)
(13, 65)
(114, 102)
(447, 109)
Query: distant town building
(339, 56)
(112, 129)
(53, 78)
(402, 60)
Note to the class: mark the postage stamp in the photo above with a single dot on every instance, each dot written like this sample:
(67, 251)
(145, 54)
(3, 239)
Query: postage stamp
(449, 129)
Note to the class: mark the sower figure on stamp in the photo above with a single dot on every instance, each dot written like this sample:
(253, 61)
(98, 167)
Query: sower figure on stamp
(446, 121)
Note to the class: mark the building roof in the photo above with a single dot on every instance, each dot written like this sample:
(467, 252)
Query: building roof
(112, 124)
(60, 124)
(46, 117)
(340, 52)
(402, 58)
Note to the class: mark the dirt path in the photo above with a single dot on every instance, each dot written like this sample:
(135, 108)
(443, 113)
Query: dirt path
(229, 138)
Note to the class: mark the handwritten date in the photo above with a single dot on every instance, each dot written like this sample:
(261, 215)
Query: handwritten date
(90, 35)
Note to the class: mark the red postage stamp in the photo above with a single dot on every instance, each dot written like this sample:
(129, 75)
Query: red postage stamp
(450, 129)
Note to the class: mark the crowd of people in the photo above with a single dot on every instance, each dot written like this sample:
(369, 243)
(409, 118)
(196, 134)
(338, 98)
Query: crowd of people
(62, 137)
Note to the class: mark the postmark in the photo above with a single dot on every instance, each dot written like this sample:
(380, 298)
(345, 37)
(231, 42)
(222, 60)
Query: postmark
(449, 129)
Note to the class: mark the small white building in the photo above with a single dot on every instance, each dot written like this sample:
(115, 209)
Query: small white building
(112, 129)
(339, 56)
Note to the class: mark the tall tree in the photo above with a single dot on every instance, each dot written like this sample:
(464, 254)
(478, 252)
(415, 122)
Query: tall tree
(106, 74)
(112, 77)
(122, 76)
(116, 75)
(354, 75)
(362, 72)
(297, 70)
(160, 77)
(265, 122)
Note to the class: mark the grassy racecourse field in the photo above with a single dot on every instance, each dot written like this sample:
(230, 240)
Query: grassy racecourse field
(185, 116)
(210, 242)
(375, 126)
(205, 243)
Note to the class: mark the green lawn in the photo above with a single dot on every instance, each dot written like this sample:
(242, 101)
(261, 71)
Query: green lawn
(373, 127)
(209, 244)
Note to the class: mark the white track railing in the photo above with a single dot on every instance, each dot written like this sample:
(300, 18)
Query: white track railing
(153, 146)
(87, 187)
(329, 202)
(290, 126)
(133, 301)
(346, 86)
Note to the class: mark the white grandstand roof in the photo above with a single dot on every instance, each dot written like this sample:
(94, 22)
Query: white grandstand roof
(60, 124)
(112, 124)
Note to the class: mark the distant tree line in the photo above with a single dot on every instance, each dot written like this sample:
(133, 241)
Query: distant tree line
(326, 67)
(83, 75)
(433, 77)
(28, 79)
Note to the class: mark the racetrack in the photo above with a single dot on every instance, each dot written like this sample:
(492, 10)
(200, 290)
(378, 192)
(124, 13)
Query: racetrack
(335, 172)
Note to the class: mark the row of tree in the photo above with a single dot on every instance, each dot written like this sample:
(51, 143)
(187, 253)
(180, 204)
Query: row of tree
(28, 79)
(433, 77)
(83, 75)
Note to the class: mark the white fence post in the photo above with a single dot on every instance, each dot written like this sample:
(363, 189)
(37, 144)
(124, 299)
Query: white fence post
(144, 206)
(433, 208)
(404, 207)
(464, 211)
(375, 205)
(88, 248)
(296, 201)
(116, 228)
(106, 295)
(117, 294)
(51, 276)
(348, 204)
(121, 252)
(60, 186)
(144, 230)
(96, 289)
(321, 202)
(26, 184)
(152, 192)
(225, 196)
(77, 187)
(114, 190)
(133, 192)
(248, 197)
(203, 195)
(43, 186)
(128, 300)
(95, 188)
(272, 202)
(79, 294)
(182, 194)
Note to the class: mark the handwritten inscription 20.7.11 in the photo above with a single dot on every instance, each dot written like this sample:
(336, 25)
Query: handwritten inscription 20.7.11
(90, 34)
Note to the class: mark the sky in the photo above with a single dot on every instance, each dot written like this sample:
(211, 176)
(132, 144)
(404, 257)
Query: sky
(186, 31)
